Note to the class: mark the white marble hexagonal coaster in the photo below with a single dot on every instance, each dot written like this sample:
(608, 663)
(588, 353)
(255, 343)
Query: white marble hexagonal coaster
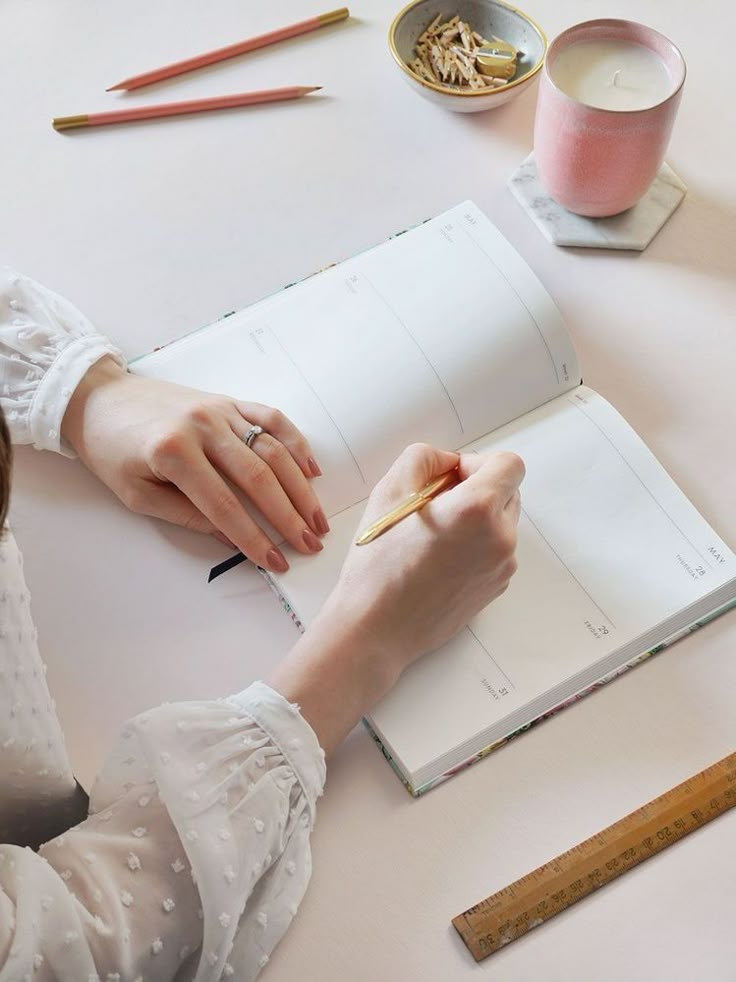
(632, 229)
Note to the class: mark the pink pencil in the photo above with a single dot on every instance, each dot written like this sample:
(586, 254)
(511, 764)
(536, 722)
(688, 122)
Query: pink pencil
(239, 48)
(177, 108)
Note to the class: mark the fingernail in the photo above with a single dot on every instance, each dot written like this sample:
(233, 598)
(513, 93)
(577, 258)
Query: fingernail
(311, 541)
(314, 467)
(320, 522)
(276, 561)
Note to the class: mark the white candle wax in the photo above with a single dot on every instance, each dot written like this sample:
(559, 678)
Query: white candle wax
(618, 75)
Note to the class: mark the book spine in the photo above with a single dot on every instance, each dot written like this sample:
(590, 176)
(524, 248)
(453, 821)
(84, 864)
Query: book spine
(282, 599)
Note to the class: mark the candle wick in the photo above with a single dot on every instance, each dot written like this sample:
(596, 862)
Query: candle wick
(615, 77)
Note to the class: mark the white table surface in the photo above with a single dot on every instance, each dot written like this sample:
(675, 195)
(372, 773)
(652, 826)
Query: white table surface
(154, 229)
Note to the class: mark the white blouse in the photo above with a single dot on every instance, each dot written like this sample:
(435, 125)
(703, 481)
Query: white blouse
(195, 853)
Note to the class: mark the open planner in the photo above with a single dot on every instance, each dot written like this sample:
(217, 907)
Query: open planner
(444, 335)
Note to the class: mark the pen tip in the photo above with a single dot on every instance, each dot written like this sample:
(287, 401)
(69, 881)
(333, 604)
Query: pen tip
(114, 88)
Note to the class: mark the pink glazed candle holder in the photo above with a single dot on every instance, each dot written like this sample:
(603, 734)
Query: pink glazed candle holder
(594, 158)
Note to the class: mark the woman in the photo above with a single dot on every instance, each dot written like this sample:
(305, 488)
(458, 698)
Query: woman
(195, 854)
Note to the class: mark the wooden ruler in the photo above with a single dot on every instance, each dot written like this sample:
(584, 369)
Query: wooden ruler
(507, 915)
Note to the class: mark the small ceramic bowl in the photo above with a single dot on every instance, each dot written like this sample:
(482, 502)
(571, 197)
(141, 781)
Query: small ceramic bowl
(487, 17)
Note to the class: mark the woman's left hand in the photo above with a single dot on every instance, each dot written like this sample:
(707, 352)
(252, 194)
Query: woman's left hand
(177, 453)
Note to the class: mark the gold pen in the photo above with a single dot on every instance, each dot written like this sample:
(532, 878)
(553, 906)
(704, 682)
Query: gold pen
(407, 507)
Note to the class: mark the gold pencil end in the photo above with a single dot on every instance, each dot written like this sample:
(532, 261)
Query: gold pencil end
(69, 122)
(334, 16)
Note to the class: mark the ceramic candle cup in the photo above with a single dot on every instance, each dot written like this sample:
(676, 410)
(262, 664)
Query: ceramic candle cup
(608, 97)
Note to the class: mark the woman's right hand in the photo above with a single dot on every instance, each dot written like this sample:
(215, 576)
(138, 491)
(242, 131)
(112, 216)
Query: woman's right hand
(418, 584)
(410, 590)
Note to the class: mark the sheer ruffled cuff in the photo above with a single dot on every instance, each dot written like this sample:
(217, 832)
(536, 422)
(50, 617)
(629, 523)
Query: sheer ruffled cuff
(46, 347)
(289, 731)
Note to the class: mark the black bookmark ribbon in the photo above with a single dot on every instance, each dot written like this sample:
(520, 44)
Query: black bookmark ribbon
(225, 565)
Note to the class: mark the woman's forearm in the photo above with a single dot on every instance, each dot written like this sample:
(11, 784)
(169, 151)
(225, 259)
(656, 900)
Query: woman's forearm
(336, 672)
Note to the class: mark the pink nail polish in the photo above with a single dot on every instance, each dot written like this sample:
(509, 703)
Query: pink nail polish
(311, 541)
(314, 467)
(276, 561)
(320, 522)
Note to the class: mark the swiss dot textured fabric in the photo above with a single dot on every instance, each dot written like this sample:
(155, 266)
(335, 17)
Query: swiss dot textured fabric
(195, 853)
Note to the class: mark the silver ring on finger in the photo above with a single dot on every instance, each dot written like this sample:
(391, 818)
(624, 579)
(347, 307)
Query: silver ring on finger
(250, 436)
